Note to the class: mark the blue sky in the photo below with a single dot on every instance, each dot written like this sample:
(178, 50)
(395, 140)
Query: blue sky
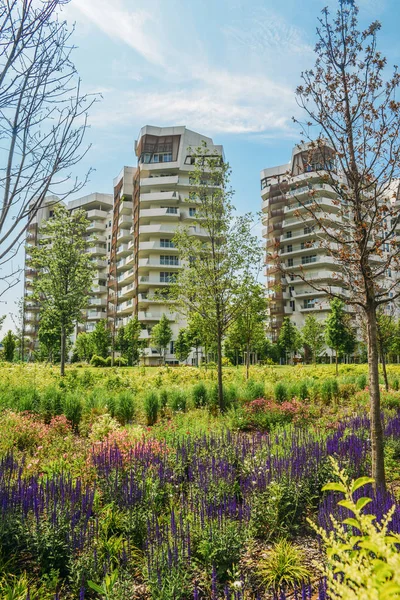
(225, 68)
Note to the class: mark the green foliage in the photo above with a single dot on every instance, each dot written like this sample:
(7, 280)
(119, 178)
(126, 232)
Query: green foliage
(161, 335)
(182, 346)
(220, 549)
(84, 346)
(125, 407)
(65, 270)
(362, 381)
(98, 361)
(200, 395)
(362, 551)
(313, 336)
(101, 338)
(283, 566)
(338, 333)
(151, 407)
(281, 392)
(289, 337)
(9, 346)
(178, 401)
(72, 408)
(254, 389)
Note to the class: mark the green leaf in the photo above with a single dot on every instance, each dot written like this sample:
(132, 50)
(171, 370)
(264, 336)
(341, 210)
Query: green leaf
(352, 522)
(347, 504)
(334, 487)
(362, 502)
(95, 587)
(360, 482)
(367, 545)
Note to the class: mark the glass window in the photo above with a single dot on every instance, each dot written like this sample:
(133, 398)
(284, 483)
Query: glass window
(192, 212)
(172, 210)
(166, 277)
(169, 260)
(289, 248)
(290, 262)
(164, 243)
(309, 303)
(305, 260)
(288, 234)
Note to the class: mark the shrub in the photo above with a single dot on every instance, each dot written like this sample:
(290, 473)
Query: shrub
(395, 384)
(219, 547)
(102, 427)
(177, 401)
(163, 399)
(335, 389)
(73, 409)
(326, 391)
(283, 566)
(369, 562)
(199, 393)
(125, 407)
(254, 389)
(280, 392)
(362, 382)
(99, 361)
(302, 390)
(151, 407)
(120, 361)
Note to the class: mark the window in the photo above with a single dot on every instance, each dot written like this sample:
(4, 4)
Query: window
(289, 248)
(308, 230)
(292, 304)
(192, 212)
(311, 258)
(290, 262)
(291, 289)
(161, 157)
(172, 347)
(164, 243)
(309, 303)
(169, 260)
(288, 234)
(172, 210)
(166, 277)
(291, 276)
(190, 160)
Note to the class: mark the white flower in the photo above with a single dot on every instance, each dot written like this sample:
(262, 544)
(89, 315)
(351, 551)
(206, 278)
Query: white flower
(237, 585)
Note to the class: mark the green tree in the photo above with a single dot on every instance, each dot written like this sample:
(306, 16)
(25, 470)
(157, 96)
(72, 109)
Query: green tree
(182, 345)
(338, 334)
(289, 338)
(121, 344)
(251, 319)
(195, 333)
(49, 336)
(132, 341)
(9, 346)
(313, 336)
(386, 338)
(65, 271)
(161, 335)
(84, 346)
(219, 262)
(101, 336)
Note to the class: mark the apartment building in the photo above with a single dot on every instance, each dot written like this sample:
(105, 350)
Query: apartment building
(292, 240)
(145, 263)
(98, 209)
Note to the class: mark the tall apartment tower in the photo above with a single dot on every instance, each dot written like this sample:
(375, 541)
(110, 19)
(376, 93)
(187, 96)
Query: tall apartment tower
(292, 237)
(98, 209)
(146, 261)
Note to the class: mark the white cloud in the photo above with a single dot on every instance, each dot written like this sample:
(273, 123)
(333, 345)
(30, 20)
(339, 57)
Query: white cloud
(133, 27)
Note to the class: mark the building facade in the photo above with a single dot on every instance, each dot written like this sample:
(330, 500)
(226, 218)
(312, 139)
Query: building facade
(294, 252)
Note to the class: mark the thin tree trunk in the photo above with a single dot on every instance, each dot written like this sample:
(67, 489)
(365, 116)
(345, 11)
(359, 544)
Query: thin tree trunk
(62, 358)
(383, 361)
(248, 361)
(219, 362)
(336, 360)
(377, 455)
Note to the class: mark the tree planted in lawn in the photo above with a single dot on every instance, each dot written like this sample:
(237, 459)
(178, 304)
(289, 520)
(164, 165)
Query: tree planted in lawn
(161, 335)
(313, 336)
(219, 253)
(348, 98)
(64, 271)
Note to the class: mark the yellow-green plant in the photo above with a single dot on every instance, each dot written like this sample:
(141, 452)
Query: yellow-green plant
(363, 559)
(283, 566)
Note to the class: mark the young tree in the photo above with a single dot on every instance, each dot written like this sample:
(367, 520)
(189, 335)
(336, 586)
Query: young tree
(195, 333)
(182, 346)
(65, 271)
(219, 261)
(313, 336)
(161, 335)
(132, 340)
(42, 116)
(101, 337)
(9, 346)
(338, 334)
(289, 337)
(49, 335)
(121, 343)
(84, 346)
(358, 115)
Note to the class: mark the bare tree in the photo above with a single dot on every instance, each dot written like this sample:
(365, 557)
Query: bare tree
(357, 156)
(43, 116)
